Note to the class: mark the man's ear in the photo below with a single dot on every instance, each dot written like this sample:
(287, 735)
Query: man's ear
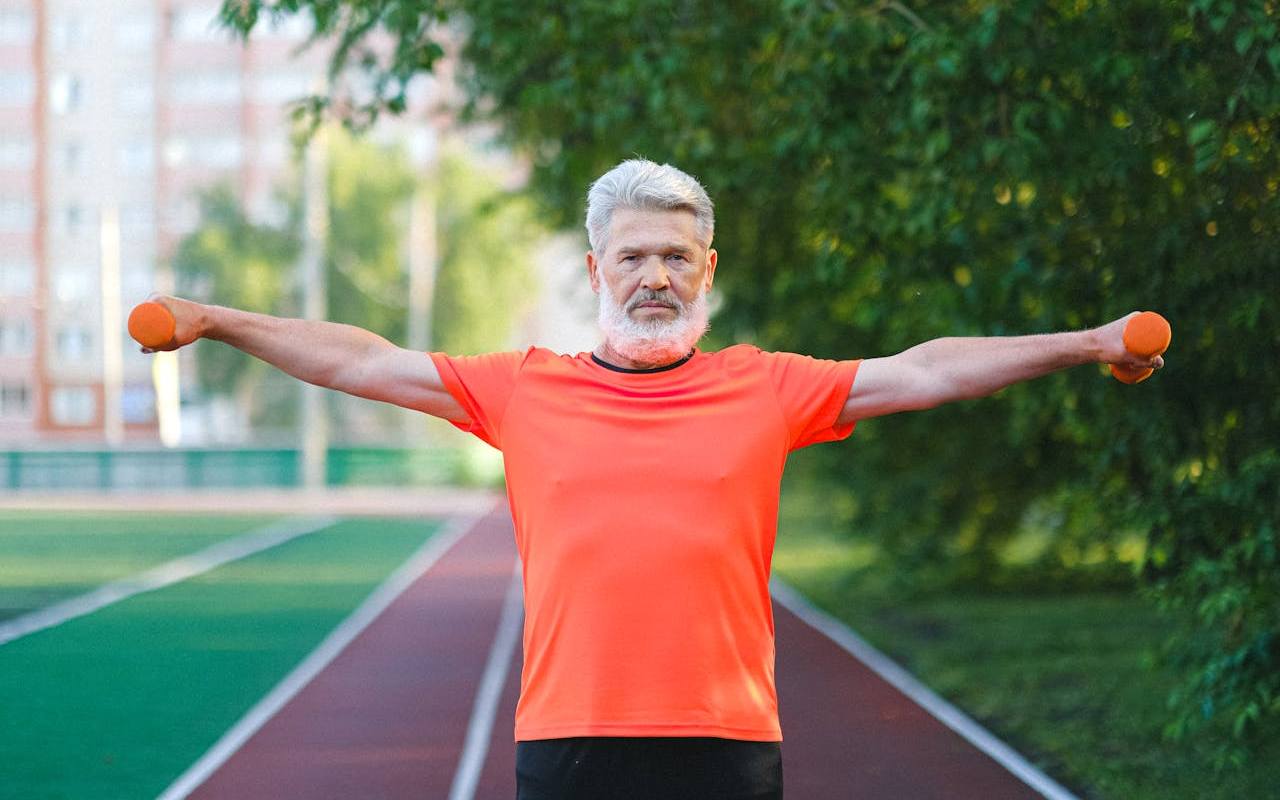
(592, 272)
(712, 257)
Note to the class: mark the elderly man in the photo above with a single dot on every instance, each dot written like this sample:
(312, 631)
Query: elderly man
(643, 479)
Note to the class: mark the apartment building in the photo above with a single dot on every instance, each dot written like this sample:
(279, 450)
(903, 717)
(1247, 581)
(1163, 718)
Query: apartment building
(113, 116)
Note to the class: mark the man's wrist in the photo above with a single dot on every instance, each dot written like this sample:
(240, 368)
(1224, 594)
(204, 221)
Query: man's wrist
(208, 319)
(1090, 346)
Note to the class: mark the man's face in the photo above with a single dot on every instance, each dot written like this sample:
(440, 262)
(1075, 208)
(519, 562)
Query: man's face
(652, 280)
(652, 256)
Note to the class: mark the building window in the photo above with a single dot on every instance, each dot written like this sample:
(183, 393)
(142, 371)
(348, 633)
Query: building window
(136, 96)
(138, 404)
(16, 26)
(72, 285)
(137, 217)
(16, 152)
(17, 214)
(72, 218)
(17, 88)
(207, 88)
(135, 158)
(16, 278)
(281, 87)
(73, 405)
(176, 150)
(68, 33)
(15, 337)
(72, 154)
(74, 343)
(15, 399)
(134, 33)
(220, 153)
(196, 23)
(137, 282)
(65, 94)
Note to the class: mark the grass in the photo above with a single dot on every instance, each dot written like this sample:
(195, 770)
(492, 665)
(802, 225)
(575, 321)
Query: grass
(1071, 680)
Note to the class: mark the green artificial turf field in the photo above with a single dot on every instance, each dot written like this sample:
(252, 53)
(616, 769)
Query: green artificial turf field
(118, 703)
(47, 556)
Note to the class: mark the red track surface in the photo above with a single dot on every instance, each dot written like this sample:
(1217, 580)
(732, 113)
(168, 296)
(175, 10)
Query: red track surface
(388, 718)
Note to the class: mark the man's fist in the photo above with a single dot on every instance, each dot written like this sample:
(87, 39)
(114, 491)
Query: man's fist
(149, 324)
(1133, 345)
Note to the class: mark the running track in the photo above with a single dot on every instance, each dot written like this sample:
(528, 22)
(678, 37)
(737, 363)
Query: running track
(389, 716)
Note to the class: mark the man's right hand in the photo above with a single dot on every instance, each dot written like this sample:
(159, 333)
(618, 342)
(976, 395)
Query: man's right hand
(189, 321)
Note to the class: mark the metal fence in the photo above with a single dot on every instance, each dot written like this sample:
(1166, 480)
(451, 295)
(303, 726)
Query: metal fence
(228, 468)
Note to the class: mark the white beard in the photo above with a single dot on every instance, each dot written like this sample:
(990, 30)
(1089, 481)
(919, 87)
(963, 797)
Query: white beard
(654, 341)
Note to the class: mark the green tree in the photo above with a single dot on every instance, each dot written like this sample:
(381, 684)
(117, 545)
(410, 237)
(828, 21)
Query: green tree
(232, 261)
(487, 236)
(483, 284)
(889, 173)
(369, 188)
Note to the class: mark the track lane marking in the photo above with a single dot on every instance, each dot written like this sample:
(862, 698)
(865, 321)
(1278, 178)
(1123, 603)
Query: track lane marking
(422, 560)
(166, 574)
(489, 693)
(921, 695)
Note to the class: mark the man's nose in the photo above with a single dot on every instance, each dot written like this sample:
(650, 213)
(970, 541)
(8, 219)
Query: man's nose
(655, 274)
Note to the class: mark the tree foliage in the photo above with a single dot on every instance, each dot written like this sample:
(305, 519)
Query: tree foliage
(230, 260)
(486, 236)
(887, 173)
(369, 188)
(483, 281)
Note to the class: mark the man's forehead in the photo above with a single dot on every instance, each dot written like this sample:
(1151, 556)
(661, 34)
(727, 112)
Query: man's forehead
(653, 229)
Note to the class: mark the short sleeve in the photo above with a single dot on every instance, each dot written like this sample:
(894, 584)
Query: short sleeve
(482, 385)
(811, 394)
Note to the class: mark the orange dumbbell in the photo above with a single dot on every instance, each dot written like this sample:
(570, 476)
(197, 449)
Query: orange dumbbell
(1147, 335)
(152, 325)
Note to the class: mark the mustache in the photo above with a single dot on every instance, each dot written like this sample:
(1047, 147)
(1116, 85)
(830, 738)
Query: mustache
(655, 299)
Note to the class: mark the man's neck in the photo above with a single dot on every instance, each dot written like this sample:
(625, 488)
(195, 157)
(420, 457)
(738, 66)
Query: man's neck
(606, 353)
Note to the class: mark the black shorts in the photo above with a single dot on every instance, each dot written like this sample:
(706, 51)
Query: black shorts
(648, 768)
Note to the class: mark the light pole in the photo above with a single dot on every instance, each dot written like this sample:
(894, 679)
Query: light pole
(315, 424)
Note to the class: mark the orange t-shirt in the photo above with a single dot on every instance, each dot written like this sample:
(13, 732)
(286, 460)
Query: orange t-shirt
(645, 507)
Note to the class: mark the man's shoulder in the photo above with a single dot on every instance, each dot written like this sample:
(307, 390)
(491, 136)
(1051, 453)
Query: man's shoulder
(741, 351)
(536, 354)
(545, 360)
(737, 358)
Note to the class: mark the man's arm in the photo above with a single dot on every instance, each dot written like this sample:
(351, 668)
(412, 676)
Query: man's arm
(328, 354)
(943, 370)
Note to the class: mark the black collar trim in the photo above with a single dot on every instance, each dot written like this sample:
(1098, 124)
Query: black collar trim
(664, 368)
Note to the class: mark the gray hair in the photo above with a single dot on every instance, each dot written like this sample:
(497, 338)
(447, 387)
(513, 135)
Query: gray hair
(645, 186)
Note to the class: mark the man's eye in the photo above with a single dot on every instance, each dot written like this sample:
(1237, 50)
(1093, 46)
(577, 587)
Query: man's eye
(675, 257)
(628, 258)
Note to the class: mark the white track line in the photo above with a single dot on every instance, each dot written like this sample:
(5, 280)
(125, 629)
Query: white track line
(166, 574)
(908, 684)
(337, 640)
(480, 729)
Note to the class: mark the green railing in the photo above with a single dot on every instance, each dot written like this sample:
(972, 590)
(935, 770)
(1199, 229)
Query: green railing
(230, 468)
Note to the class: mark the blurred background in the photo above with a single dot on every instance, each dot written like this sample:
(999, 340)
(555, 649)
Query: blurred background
(1089, 569)
(143, 147)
